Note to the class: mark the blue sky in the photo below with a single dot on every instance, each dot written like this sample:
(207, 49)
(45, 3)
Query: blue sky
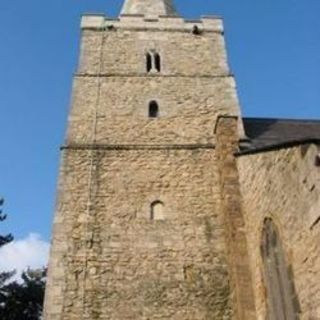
(274, 52)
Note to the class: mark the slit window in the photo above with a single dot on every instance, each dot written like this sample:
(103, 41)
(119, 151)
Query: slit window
(157, 62)
(149, 62)
(153, 109)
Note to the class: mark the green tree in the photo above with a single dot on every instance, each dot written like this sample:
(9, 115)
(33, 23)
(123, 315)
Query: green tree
(4, 239)
(7, 238)
(23, 301)
(20, 300)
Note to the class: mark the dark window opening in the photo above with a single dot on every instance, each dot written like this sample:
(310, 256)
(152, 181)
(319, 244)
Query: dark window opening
(157, 62)
(153, 61)
(149, 62)
(196, 30)
(318, 160)
(153, 109)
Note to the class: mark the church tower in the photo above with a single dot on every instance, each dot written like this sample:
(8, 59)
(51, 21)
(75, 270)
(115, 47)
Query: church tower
(141, 229)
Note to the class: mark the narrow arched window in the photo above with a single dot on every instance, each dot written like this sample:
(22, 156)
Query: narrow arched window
(157, 62)
(281, 297)
(153, 61)
(157, 210)
(153, 109)
(149, 62)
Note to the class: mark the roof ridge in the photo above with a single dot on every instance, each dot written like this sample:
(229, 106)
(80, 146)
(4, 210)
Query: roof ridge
(281, 119)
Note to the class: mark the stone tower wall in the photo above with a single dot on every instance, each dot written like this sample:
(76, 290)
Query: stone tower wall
(284, 185)
(182, 53)
(123, 118)
(109, 259)
(124, 265)
(193, 88)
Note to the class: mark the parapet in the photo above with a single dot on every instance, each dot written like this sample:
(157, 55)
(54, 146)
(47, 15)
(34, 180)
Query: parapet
(157, 23)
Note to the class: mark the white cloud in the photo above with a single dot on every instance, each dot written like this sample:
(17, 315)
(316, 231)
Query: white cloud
(31, 252)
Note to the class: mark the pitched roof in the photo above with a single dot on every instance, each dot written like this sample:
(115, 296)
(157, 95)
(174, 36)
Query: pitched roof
(266, 134)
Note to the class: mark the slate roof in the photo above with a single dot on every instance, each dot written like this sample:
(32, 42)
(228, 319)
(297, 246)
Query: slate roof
(264, 134)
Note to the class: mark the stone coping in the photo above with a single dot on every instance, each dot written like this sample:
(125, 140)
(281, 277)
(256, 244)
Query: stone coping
(169, 23)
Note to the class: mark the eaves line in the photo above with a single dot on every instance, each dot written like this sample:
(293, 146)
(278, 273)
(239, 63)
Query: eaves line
(278, 146)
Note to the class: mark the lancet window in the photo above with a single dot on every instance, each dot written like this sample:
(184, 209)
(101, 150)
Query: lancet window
(153, 109)
(281, 298)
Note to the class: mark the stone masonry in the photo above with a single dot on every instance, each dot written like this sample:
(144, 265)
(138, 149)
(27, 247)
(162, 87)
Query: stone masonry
(284, 185)
(110, 258)
(166, 209)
